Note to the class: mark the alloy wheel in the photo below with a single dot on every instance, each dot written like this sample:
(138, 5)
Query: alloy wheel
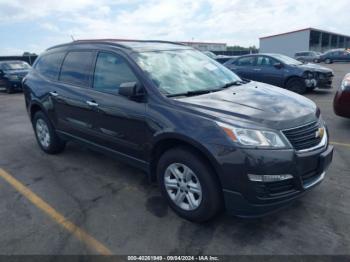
(183, 186)
(43, 134)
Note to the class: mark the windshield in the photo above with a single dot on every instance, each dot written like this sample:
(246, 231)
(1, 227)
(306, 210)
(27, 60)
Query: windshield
(287, 60)
(181, 71)
(14, 66)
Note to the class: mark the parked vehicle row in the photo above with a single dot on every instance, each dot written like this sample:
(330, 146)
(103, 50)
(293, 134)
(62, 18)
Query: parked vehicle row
(208, 137)
(283, 71)
(12, 73)
(334, 55)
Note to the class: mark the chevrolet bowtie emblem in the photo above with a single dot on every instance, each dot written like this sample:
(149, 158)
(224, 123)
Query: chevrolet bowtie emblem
(319, 133)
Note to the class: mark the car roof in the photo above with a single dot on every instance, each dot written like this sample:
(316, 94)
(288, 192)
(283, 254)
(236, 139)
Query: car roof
(132, 45)
(260, 54)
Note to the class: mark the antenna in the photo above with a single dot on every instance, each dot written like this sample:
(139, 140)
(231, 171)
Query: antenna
(72, 37)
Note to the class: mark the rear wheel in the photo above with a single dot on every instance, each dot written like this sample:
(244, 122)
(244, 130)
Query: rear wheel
(328, 61)
(189, 185)
(46, 135)
(296, 85)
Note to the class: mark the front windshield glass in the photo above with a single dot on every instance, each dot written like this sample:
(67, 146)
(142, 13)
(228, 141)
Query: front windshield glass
(14, 66)
(180, 71)
(287, 60)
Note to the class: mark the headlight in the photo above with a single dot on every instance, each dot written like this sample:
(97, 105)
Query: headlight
(253, 138)
(13, 77)
(346, 83)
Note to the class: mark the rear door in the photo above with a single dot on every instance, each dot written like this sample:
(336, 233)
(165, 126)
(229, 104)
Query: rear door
(70, 98)
(243, 66)
(119, 122)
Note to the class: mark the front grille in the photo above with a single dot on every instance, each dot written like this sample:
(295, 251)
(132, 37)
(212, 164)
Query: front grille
(274, 189)
(303, 137)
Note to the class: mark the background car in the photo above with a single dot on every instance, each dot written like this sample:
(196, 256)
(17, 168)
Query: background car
(335, 55)
(283, 71)
(224, 58)
(341, 103)
(12, 73)
(210, 54)
(308, 56)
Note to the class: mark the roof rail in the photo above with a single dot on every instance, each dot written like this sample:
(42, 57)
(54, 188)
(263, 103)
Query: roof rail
(111, 41)
(114, 40)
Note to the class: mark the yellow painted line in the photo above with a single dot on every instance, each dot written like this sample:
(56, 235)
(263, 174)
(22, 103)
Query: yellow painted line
(79, 233)
(339, 144)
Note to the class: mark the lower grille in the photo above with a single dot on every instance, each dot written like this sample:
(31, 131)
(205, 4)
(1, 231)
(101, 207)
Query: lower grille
(275, 189)
(310, 177)
(304, 137)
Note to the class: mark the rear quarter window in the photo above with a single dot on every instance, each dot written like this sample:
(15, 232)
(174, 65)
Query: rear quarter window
(49, 65)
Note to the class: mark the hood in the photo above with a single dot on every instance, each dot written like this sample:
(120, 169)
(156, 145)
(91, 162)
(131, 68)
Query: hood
(255, 104)
(314, 67)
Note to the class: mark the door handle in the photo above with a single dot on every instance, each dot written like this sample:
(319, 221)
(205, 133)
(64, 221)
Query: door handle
(257, 69)
(54, 93)
(92, 103)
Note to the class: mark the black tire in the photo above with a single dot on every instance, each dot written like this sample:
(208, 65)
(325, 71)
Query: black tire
(56, 145)
(310, 89)
(328, 61)
(9, 90)
(211, 200)
(296, 85)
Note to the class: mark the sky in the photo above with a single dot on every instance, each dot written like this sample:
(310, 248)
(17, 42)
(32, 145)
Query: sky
(34, 25)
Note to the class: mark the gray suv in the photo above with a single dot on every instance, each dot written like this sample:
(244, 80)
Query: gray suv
(308, 56)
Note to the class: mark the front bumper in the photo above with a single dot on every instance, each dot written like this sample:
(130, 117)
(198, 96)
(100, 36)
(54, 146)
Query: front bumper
(250, 199)
(14, 84)
(323, 81)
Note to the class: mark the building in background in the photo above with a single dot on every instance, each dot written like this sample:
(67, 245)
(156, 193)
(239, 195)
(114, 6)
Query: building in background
(207, 46)
(308, 39)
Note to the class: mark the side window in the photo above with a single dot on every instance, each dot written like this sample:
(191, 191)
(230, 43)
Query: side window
(76, 68)
(49, 65)
(265, 61)
(111, 71)
(246, 61)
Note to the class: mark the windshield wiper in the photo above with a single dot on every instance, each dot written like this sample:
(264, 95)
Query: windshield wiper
(234, 83)
(193, 93)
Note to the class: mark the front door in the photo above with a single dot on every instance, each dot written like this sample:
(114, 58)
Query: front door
(119, 122)
(267, 72)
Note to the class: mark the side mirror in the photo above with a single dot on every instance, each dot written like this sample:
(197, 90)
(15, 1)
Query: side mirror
(1, 72)
(131, 90)
(278, 65)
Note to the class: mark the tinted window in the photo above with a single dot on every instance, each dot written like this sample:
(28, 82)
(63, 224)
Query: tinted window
(76, 68)
(265, 61)
(49, 65)
(246, 61)
(111, 71)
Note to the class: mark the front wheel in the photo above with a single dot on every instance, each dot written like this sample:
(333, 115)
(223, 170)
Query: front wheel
(296, 85)
(46, 135)
(189, 185)
(9, 90)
